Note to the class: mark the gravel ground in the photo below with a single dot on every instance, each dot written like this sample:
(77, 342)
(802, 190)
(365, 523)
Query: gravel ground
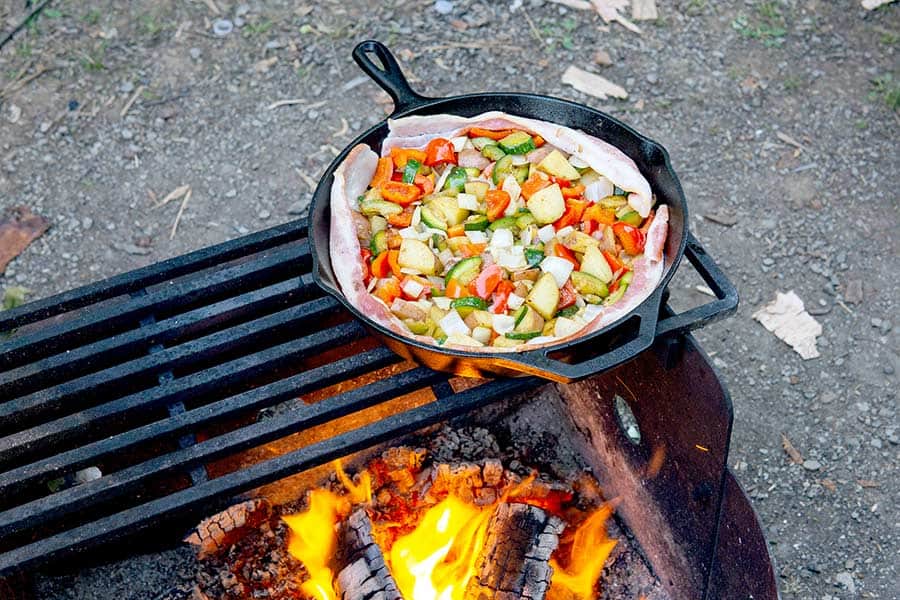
(715, 82)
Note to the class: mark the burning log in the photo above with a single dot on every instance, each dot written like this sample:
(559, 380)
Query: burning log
(221, 531)
(515, 561)
(365, 576)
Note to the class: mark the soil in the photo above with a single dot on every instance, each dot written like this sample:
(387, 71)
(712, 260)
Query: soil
(722, 85)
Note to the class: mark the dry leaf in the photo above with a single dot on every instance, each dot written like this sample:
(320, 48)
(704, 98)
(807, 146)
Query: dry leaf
(828, 485)
(644, 10)
(787, 319)
(18, 228)
(873, 4)
(264, 65)
(593, 84)
(795, 455)
(868, 483)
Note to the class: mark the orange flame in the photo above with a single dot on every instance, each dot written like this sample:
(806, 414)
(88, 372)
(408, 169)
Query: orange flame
(437, 559)
(589, 551)
(314, 532)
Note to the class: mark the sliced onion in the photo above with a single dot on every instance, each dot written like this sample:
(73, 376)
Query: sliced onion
(477, 237)
(416, 216)
(510, 259)
(453, 323)
(541, 339)
(459, 143)
(482, 334)
(467, 201)
(592, 311)
(515, 301)
(519, 160)
(546, 233)
(563, 232)
(412, 288)
(528, 235)
(442, 178)
(560, 268)
(597, 190)
(502, 238)
(503, 323)
(409, 233)
(577, 162)
(442, 302)
(511, 186)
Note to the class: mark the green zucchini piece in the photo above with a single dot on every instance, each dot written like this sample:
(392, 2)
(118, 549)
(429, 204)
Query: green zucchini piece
(492, 152)
(503, 168)
(465, 270)
(379, 243)
(456, 180)
(616, 295)
(567, 311)
(477, 223)
(520, 314)
(377, 222)
(613, 201)
(379, 207)
(481, 142)
(521, 173)
(477, 189)
(533, 256)
(503, 223)
(518, 142)
(411, 170)
(434, 218)
(524, 219)
(588, 284)
(469, 302)
(472, 172)
(514, 335)
(631, 218)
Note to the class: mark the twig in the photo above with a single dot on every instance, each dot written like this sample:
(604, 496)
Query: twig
(212, 6)
(290, 102)
(844, 306)
(534, 30)
(184, 202)
(173, 195)
(35, 12)
(131, 101)
(183, 93)
(309, 180)
(15, 86)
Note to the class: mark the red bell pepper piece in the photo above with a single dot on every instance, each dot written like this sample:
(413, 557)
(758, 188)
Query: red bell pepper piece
(366, 254)
(563, 183)
(496, 201)
(614, 263)
(567, 295)
(563, 252)
(401, 156)
(572, 192)
(486, 282)
(393, 262)
(475, 132)
(425, 183)
(574, 210)
(501, 296)
(383, 172)
(388, 290)
(631, 238)
(380, 267)
(439, 151)
(595, 212)
(589, 226)
(400, 193)
(455, 289)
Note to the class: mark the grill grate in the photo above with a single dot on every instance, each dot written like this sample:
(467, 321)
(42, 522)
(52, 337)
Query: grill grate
(124, 374)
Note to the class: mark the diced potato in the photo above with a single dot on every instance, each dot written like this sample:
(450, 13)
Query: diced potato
(547, 205)
(544, 297)
(461, 339)
(530, 322)
(436, 314)
(416, 255)
(504, 342)
(556, 164)
(527, 274)
(449, 207)
(408, 310)
(482, 334)
(478, 189)
(479, 318)
(577, 241)
(595, 264)
(566, 327)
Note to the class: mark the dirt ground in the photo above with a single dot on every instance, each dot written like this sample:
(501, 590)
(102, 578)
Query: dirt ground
(781, 118)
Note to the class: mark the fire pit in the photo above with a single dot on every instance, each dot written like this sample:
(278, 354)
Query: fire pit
(142, 404)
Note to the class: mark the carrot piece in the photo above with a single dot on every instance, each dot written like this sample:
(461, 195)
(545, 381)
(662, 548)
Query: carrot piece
(538, 141)
(455, 289)
(489, 133)
(572, 192)
(388, 289)
(383, 172)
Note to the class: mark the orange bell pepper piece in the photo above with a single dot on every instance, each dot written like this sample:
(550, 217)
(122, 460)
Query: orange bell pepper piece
(388, 290)
(475, 132)
(380, 266)
(472, 249)
(496, 201)
(394, 240)
(534, 184)
(455, 289)
(383, 172)
(538, 141)
(426, 183)
(563, 252)
(456, 230)
(598, 214)
(400, 193)
(401, 156)
(631, 238)
(393, 262)
(439, 151)
(400, 220)
(572, 192)
(614, 263)
(574, 211)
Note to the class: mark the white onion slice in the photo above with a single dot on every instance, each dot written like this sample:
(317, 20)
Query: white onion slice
(597, 190)
(515, 301)
(546, 233)
(442, 302)
(560, 268)
(502, 238)
(453, 323)
(503, 323)
(467, 201)
(477, 237)
(577, 162)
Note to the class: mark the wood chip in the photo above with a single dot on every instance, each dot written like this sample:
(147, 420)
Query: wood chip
(18, 228)
(721, 219)
(789, 140)
(868, 483)
(787, 319)
(173, 195)
(644, 10)
(791, 451)
(609, 10)
(593, 84)
(873, 4)
(828, 485)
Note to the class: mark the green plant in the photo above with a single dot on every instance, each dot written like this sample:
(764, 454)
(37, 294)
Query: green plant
(150, 25)
(889, 38)
(258, 28)
(24, 50)
(885, 88)
(769, 28)
(694, 8)
(93, 60)
(792, 83)
(92, 17)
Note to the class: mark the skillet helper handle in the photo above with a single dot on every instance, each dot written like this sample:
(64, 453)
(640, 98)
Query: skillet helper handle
(724, 305)
(387, 75)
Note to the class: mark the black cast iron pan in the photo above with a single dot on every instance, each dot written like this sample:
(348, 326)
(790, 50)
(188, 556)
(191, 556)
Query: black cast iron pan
(593, 353)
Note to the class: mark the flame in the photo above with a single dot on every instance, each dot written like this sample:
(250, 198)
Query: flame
(437, 559)
(314, 532)
(589, 551)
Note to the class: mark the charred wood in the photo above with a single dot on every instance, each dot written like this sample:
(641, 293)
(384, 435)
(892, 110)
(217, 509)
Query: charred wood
(365, 575)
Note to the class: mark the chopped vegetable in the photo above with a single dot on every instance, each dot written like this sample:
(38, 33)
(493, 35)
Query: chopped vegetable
(594, 263)
(464, 271)
(517, 142)
(497, 201)
(544, 297)
(631, 238)
(439, 151)
(383, 172)
(469, 302)
(400, 193)
(411, 170)
(487, 281)
(379, 207)
(589, 284)
(477, 132)
(401, 156)
(556, 164)
(456, 180)
(493, 152)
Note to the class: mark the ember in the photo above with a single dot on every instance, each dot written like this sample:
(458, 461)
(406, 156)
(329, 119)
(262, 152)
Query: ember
(448, 532)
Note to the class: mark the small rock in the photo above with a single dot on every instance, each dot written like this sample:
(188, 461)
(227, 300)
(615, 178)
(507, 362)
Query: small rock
(195, 53)
(444, 7)
(131, 249)
(87, 223)
(14, 114)
(222, 27)
(812, 465)
(298, 208)
(88, 474)
(602, 58)
(127, 134)
(231, 193)
(888, 369)
(45, 126)
(264, 214)
(652, 78)
(845, 579)
(853, 291)
(127, 87)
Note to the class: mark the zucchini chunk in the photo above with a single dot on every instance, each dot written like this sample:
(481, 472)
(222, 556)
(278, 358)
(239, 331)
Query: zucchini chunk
(465, 271)
(518, 142)
(588, 284)
(595, 264)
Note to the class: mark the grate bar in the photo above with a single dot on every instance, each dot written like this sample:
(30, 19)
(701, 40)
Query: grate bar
(256, 399)
(152, 274)
(54, 433)
(202, 496)
(27, 378)
(56, 506)
(52, 338)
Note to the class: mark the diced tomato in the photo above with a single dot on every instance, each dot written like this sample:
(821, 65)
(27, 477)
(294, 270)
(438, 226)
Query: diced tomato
(455, 289)
(614, 263)
(574, 210)
(501, 296)
(456, 230)
(538, 141)
(383, 172)
(400, 193)
(496, 201)
(388, 289)
(631, 238)
(567, 295)
(426, 183)
(603, 216)
(401, 156)
(572, 192)
(439, 151)
(563, 183)
(366, 254)
(402, 219)
(534, 184)
(393, 261)
(563, 252)
(475, 132)
(380, 267)
(487, 281)
(472, 249)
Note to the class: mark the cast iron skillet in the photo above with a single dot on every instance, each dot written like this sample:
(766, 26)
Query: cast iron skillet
(590, 354)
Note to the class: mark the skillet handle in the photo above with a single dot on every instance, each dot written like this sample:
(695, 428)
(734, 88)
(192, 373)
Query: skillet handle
(724, 305)
(388, 74)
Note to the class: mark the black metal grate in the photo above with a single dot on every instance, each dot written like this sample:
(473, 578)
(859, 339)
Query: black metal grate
(124, 373)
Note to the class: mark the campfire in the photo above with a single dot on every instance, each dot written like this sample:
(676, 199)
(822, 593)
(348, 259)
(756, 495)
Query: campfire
(450, 532)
